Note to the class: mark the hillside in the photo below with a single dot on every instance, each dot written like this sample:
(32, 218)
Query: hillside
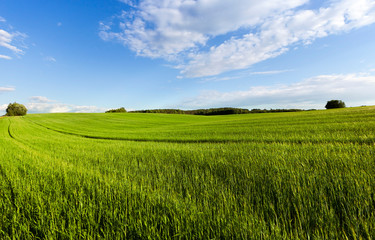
(137, 176)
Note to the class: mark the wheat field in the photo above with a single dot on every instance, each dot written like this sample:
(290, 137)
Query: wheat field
(303, 175)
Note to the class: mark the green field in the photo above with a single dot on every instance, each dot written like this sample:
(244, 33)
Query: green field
(304, 175)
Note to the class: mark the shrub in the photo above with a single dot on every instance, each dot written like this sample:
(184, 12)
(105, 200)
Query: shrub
(16, 109)
(335, 104)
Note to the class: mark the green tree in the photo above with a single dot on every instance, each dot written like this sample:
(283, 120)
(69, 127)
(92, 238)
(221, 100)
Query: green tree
(335, 104)
(16, 109)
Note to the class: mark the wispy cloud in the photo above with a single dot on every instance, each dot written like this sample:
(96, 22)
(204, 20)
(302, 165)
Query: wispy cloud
(40, 99)
(355, 89)
(270, 72)
(219, 78)
(7, 89)
(6, 39)
(5, 57)
(11, 40)
(41, 104)
(50, 59)
(241, 74)
(128, 2)
(181, 30)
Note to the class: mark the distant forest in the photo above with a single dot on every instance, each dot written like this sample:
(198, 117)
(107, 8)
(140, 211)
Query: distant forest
(226, 110)
(216, 111)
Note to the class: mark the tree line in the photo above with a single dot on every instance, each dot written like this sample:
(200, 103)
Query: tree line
(215, 111)
(16, 109)
(227, 110)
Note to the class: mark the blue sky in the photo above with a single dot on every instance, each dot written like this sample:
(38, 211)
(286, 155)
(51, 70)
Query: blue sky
(90, 55)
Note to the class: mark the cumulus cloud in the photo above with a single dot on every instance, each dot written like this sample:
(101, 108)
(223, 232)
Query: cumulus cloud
(167, 28)
(277, 34)
(207, 38)
(3, 107)
(40, 104)
(354, 89)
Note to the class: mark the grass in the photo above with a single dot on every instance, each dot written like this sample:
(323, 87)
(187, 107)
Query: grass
(306, 175)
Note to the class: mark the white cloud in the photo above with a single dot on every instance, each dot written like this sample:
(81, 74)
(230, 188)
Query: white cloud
(87, 109)
(40, 104)
(42, 107)
(252, 30)
(3, 107)
(2, 19)
(7, 89)
(37, 107)
(270, 72)
(5, 57)
(354, 89)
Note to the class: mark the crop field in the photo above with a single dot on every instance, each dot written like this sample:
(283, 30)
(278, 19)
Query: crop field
(304, 175)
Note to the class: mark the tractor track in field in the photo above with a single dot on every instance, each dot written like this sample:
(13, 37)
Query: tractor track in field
(9, 185)
(9, 132)
(182, 141)
(140, 139)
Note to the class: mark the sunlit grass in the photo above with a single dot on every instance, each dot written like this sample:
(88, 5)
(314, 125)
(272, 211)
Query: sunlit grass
(154, 176)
